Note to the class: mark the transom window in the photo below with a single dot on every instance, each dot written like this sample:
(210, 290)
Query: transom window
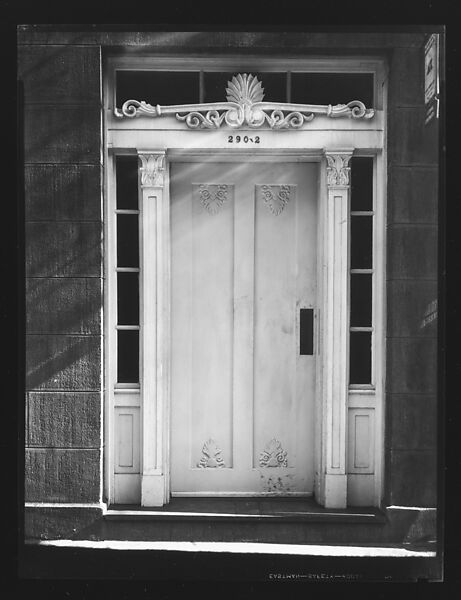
(168, 87)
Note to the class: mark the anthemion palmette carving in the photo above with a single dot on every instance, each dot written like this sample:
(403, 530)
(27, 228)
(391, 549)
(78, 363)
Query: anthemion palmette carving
(245, 108)
(152, 169)
(212, 196)
(338, 169)
(273, 455)
(211, 456)
(275, 197)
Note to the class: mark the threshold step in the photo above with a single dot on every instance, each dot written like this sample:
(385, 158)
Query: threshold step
(243, 509)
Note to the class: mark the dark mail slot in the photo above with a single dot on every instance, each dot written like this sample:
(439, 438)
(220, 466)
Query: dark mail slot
(306, 331)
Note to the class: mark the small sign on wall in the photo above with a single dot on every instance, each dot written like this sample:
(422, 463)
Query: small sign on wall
(431, 77)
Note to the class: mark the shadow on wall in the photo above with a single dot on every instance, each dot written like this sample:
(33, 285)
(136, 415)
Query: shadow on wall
(63, 313)
(63, 305)
(63, 363)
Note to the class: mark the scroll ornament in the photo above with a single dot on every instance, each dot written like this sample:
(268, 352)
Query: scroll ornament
(245, 108)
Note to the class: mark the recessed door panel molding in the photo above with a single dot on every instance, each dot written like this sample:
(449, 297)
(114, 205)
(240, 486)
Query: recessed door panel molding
(127, 464)
(361, 441)
(202, 326)
(284, 280)
(127, 440)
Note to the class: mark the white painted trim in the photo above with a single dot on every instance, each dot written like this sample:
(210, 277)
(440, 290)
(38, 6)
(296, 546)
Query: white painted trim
(335, 302)
(154, 310)
(379, 317)
(319, 441)
(291, 155)
(127, 388)
(217, 141)
(361, 389)
(132, 400)
(101, 505)
(371, 396)
(419, 508)
(102, 418)
(291, 146)
(241, 547)
(165, 513)
(362, 401)
(241, 494)
(110, 308)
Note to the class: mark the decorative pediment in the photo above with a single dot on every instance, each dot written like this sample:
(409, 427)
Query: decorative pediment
(245, 108)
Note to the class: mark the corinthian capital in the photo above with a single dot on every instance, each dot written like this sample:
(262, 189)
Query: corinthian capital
(338, 168)
(152, 169)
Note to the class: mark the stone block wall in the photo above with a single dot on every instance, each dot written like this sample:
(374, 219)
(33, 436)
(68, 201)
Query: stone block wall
(412, 271)
(63, 256)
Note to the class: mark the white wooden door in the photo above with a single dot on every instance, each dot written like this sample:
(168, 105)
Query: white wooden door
(243, 265)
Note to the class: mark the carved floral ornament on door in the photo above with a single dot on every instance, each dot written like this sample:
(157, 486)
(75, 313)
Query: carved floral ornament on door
(245, 108)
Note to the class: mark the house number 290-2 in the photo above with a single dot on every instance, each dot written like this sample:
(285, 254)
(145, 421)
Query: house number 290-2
(245, 139)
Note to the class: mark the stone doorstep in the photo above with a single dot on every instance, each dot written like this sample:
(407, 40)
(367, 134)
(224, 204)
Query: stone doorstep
(281, 517)
(247, 510)
(278, 521)
(285, 521)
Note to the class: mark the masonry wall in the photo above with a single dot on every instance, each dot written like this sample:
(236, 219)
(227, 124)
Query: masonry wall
(412, 257)
(63, 253)
(60, 72)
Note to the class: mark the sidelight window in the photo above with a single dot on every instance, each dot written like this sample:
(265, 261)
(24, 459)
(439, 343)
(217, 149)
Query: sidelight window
(361, 271)
(127, 268)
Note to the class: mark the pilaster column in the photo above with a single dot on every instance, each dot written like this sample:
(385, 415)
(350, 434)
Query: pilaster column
(154, 325)
(336, 327)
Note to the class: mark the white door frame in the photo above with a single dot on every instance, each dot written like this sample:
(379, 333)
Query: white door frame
(333, 301)
(157, 144)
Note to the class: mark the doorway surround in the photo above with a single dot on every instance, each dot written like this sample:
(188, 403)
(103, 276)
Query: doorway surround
(159, 143)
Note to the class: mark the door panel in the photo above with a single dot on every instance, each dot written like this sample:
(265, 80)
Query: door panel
(243, 265)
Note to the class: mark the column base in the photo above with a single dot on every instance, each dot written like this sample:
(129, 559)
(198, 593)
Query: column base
(153, 490)
(335, 491)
